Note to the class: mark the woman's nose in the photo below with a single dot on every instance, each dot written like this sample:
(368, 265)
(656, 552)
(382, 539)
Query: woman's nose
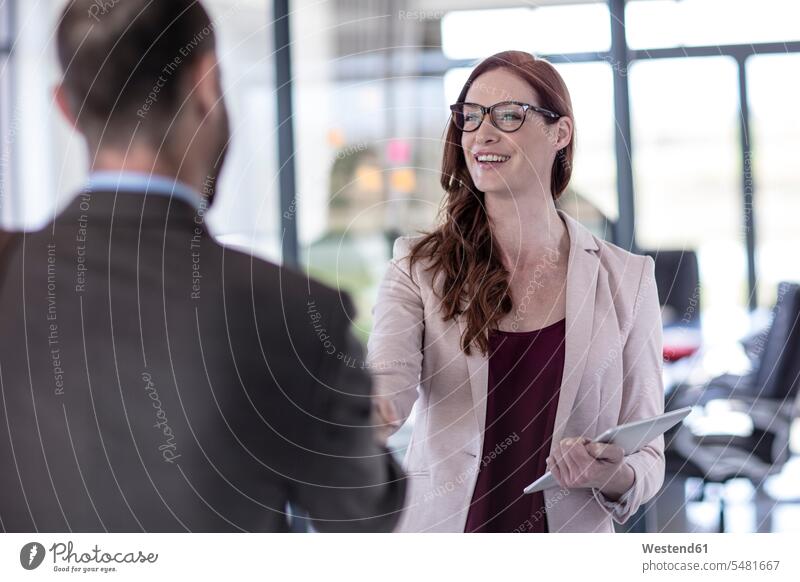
(485, 136)
(486, 133)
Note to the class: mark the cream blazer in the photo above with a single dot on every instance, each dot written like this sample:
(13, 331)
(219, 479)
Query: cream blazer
(612, 375)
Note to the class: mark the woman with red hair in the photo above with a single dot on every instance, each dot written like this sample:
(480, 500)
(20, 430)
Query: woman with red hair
(517, 333)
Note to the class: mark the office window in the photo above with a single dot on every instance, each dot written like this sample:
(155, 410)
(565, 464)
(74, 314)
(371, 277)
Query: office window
(369, 156)
(8, 123)
(468, 34)
(774, 92)
(368, 171)
(672, 23)
(592, 194)
(687, 172)
(41, 161)
(246, 211)
(368, 144)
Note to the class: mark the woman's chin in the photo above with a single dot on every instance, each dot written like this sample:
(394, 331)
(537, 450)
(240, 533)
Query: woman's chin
(491, 181)
(492, 186)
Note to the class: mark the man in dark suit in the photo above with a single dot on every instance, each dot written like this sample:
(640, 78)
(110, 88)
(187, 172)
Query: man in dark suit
(151, 379)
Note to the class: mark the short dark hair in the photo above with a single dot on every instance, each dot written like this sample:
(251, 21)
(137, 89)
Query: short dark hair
(123, 60)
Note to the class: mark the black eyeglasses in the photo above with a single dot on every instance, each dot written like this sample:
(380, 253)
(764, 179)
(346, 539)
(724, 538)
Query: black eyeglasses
(507, 116)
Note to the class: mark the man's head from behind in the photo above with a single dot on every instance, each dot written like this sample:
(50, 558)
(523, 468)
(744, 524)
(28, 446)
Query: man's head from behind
(141, 79)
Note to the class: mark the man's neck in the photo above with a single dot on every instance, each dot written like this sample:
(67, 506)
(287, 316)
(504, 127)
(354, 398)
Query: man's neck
(144, 161)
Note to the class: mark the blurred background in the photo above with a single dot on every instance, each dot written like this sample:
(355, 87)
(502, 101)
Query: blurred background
(688, 138)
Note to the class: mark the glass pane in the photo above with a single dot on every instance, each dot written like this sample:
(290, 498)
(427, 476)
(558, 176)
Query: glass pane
(669, 23)
(246, 211)
(454, 80)
(8, 132)
(368, 172)
(592, 195)
(8, 121)
(40, 150)
(369, 155)
(687, 173)
(368, 151)
(5, 24)
(479, 33)
(774, 92)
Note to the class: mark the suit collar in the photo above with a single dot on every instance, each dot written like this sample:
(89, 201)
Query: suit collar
(144, 184)
(578, 233)
(122, 207)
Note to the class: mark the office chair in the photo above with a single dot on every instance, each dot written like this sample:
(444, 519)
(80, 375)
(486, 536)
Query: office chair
(774, 354)
(766, 398)
(677, 274)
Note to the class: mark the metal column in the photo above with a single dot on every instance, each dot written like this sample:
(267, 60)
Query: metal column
(625, 232)
(747, 187)
(286, 171)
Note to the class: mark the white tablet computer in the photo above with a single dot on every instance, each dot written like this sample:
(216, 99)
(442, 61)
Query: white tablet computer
(630, 437)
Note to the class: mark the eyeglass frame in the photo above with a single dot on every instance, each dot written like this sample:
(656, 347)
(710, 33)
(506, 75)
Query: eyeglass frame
(488, 110)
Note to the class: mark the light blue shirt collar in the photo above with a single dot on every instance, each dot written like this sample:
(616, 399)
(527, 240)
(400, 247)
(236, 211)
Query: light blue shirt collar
(143, 183)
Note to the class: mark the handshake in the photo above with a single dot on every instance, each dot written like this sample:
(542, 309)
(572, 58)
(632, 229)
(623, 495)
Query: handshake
(385, 419)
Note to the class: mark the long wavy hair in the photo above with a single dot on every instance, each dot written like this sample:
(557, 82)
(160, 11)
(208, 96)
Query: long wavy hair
(475, 281)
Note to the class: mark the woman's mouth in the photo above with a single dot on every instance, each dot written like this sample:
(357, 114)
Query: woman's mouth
(488, 160)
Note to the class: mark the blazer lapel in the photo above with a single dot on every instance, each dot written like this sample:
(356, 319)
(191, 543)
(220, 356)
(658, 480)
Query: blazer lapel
(582, 271)
(582, 267)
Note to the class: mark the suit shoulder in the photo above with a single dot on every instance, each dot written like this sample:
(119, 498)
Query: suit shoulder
(621, 264)
(288, 285)
(404, 244)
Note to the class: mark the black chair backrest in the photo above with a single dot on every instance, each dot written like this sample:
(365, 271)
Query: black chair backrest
(779, 365)
(678, 279)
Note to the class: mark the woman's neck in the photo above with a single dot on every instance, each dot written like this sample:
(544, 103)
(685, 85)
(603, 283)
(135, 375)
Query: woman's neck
(526, 227)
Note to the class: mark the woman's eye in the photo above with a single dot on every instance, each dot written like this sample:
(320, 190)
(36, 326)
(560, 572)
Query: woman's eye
(509, 116)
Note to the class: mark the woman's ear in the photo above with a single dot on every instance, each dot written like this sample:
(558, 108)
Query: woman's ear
(563, 133)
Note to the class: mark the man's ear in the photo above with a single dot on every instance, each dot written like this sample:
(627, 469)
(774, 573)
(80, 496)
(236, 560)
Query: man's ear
(205, 82)
(64, 106)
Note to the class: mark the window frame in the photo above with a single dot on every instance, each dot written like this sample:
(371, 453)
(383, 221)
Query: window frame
(620, 56)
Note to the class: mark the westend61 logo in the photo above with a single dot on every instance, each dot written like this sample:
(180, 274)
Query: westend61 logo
(65, 559)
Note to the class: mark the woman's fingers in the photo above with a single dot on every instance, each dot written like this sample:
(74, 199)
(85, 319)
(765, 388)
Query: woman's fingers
(571, 467)
(555, 463)
(553, 467)
(386, 411)
(571, 463)
(562, 464)
(606, 452)
(585, 463)
(578, 462)
(385, 419)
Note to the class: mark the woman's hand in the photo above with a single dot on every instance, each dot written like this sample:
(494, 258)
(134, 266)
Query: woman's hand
(385, 418)
(578, 462)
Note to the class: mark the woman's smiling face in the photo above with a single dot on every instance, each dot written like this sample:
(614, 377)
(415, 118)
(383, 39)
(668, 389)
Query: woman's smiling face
(516, 160)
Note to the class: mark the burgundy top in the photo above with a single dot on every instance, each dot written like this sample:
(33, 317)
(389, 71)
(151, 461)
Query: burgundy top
(525, 370)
